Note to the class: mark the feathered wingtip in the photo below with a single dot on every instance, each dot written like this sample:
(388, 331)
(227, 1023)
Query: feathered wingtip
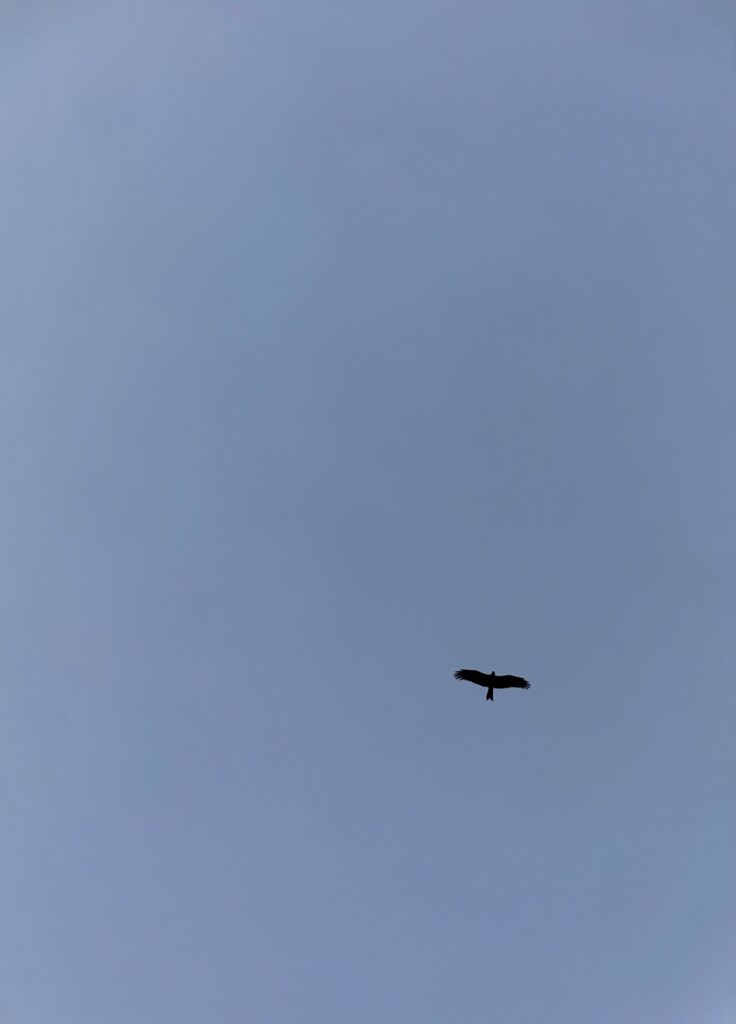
(524, 685)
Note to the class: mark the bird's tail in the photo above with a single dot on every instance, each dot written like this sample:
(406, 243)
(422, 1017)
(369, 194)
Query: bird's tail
(489, 695)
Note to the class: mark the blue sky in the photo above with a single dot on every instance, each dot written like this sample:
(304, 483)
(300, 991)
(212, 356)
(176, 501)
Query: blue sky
(346, 345)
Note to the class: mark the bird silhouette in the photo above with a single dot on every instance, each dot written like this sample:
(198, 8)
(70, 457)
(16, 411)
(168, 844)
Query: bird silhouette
(492, 681)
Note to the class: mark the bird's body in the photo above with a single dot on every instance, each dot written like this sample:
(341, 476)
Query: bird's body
(491, 682)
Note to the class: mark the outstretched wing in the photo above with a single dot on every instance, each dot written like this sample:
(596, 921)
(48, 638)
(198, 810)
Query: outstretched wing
(518, 682)
(472, 675)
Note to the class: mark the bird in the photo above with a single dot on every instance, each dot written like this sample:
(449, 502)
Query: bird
(492, 681)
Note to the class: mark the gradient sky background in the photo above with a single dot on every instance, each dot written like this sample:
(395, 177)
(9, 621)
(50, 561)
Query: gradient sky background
(346, 344)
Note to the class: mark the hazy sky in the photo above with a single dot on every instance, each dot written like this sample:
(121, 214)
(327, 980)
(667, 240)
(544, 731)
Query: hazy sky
(346, 344)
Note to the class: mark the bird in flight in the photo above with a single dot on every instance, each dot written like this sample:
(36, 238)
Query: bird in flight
(492, 681)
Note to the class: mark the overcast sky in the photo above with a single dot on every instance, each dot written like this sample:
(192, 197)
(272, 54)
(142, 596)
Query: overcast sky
(344, 345)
